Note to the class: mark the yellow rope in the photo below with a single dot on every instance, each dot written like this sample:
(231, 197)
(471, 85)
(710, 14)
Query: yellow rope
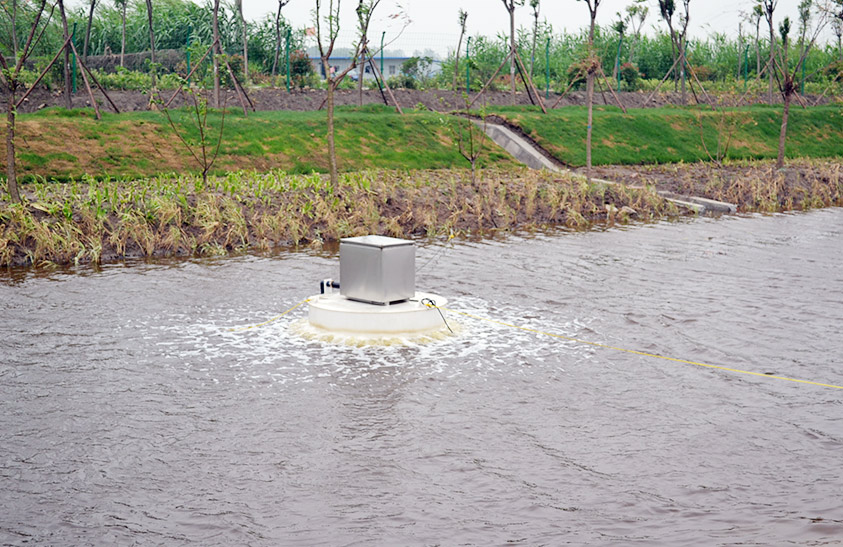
(276, 318)
(634, 352)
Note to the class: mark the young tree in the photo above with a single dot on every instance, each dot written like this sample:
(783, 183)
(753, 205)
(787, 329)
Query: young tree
(618, 26)
(678, 38)
(510, 6)
(636, 15)
(88, 31)
(238, 5)
(365, 8)
(462, 19)
(667, 8)
(593, 64)
(755, 18)
(535, 5)
(10, 82)
(326, 48)
(215, 56)
(785, 77)
(804, 21)
(769, 8)
(123, 5)
(151, 39)
(281, 4)
(68, 86)
(837, 22)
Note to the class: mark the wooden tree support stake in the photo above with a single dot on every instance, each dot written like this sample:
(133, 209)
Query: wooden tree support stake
(43, 73)
(189, 74)
(666, 76)
(567, 89)
(526, 77)
(241, 93)
(87, 84)
(615, 95)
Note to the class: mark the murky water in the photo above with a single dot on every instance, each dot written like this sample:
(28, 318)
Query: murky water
(130, 414)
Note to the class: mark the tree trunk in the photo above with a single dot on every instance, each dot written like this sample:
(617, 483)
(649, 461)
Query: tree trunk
(533, 52)
(68, 88)
(151, 39)
(245, 42)
(123, 39)
(673, 52)
(217, 52)
(11, 174)
(758, 49)
(277, 40)
(590, 94)
(772, 64)
(332, 149)
(785, 114)
(88, 32)
(682, 70)
(360, 73)
(512, 51)
(457, 61)
(14, 29)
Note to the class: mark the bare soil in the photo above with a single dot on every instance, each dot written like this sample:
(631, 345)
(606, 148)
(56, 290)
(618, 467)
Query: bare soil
(312, 99)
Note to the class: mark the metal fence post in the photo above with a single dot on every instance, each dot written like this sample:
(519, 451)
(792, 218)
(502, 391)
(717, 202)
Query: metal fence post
(289, 31)
(547, 69)
(383, 35)
(618, 61)
(745, 68)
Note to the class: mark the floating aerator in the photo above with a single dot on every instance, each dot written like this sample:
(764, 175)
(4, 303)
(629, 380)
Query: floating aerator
(377, 291)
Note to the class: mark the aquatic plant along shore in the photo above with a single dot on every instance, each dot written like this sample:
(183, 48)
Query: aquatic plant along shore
(754, 186)
(97, 221)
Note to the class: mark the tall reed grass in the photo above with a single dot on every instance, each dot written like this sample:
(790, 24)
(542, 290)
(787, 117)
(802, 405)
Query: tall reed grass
(91, 220)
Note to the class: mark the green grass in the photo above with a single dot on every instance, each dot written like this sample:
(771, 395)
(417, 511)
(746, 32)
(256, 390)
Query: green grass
(63, 144)
(142, 143)
(673, 134)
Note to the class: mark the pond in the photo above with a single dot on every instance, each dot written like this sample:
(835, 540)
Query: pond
(130, 413)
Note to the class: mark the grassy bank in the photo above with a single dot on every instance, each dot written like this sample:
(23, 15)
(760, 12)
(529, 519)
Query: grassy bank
(63, 144)
(57, 143)
(671, 135)
(95, 221)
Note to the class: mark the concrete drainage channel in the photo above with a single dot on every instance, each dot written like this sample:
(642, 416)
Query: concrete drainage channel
(530, 155)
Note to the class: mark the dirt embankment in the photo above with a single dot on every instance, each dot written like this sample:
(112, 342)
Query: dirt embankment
(311, 99)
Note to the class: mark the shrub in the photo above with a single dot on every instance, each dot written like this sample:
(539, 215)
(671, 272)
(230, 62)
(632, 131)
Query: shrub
(630, 77)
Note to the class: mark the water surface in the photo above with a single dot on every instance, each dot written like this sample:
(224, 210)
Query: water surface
(130, 414)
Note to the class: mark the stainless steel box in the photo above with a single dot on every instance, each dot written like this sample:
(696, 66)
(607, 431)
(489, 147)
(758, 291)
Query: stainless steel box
(377, 269)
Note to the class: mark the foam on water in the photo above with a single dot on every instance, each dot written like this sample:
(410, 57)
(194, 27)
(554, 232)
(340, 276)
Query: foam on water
(293, 351)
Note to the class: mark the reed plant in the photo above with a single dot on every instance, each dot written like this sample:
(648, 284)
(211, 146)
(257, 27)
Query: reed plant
(88, 220)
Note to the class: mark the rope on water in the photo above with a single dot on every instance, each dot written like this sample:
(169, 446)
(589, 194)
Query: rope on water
(276, 318)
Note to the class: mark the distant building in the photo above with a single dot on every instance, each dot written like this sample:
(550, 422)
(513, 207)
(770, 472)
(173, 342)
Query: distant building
(391, 67)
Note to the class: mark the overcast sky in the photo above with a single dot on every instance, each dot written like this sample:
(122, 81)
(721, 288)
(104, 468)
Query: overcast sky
(438, 18)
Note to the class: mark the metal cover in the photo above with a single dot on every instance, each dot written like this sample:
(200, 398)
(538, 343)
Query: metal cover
(377, 269)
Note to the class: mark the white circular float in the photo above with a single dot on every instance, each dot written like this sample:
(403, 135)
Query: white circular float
(336, 313)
